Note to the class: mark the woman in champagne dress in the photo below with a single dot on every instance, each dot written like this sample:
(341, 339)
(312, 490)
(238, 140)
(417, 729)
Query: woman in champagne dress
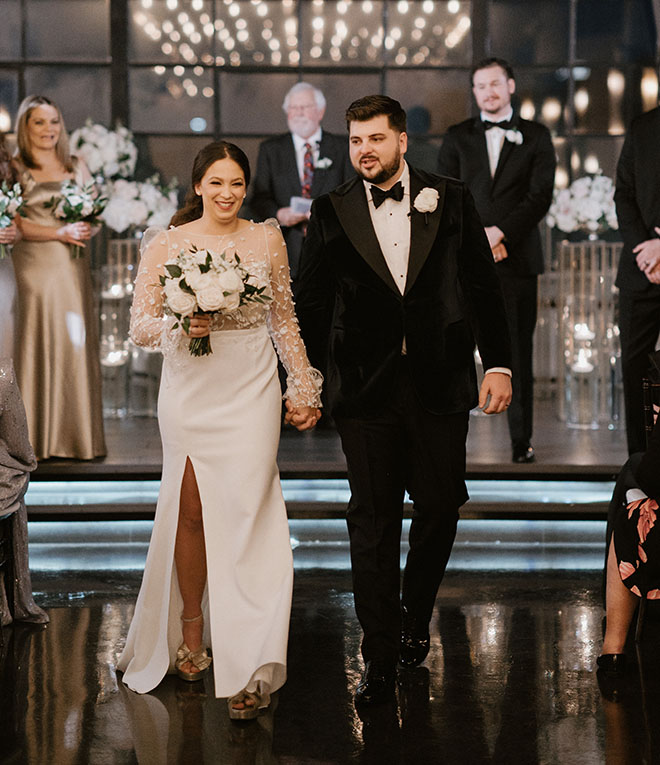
(219, 568)
(57, 352)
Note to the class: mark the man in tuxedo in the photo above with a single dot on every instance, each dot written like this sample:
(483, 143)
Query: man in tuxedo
(294, 168)
(396, 280)
(637, 199)
(508, 164)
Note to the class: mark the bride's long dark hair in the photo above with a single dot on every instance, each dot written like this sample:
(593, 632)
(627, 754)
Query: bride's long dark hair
(192, 207)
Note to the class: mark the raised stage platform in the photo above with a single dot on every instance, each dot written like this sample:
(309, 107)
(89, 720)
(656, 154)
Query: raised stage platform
(566, 457)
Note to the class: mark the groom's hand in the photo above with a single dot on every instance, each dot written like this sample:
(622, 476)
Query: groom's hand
(495, 393)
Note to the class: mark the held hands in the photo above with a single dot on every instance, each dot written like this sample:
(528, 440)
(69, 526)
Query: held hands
(648, 258)
(287, 217)
(301, 417)
(496, 386)
(74, 233)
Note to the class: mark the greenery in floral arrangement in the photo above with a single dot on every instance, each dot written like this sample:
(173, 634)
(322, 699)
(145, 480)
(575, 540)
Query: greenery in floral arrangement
(586, 205)
(11, 204)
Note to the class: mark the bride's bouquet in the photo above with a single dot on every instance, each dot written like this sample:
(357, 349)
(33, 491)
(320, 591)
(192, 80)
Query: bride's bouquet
(11, 204)
(202, 281)
(76, 204)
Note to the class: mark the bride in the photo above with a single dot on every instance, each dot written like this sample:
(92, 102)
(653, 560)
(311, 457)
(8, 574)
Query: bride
(219, 569)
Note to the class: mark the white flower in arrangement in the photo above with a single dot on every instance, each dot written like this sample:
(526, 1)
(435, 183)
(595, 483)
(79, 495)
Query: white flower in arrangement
(208, 282)
(139, 204)
(514, 136)
(323, 163)
(586, 205)
(427, 200)
(11, 204)
(109, 153)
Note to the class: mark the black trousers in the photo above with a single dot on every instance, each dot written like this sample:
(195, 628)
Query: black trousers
(404, 447)
(520, 301)
(639, 326)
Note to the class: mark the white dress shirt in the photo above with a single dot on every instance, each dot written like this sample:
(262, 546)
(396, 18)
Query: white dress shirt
(299, 145)
(495, 141)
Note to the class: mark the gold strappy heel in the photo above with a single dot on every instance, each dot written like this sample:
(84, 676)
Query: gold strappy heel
(199, 658)
(248, 712)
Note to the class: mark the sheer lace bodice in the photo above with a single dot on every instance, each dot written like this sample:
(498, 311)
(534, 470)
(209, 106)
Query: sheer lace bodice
(262, 251)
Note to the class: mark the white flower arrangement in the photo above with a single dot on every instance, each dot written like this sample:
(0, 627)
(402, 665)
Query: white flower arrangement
(323, 163)
(586, 205)
(109, 153)
(77, 203)
(210, 283)
(11, 204)
(139, 204)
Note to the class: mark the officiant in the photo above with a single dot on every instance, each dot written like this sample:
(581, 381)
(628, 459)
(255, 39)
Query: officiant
(296, 167)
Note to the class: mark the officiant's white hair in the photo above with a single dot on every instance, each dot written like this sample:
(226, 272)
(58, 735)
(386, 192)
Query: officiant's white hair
(300, 86)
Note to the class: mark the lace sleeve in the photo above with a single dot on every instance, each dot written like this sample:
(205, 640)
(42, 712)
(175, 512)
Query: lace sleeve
(148, 324)
(303, 381)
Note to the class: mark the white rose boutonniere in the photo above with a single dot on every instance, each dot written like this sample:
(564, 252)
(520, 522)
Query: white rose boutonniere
(426, 201)
(323, 163)
(514, 136)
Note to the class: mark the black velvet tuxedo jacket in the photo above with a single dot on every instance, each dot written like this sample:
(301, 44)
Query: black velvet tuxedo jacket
(637, 197)
(277, 180)
(519, 194)
(354, 318)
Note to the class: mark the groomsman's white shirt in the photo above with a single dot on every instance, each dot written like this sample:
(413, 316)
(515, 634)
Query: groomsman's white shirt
(495, 141)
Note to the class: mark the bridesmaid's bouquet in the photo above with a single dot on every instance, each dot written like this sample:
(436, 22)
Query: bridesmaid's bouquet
(202, 281)
(76, 204)
(11, 204)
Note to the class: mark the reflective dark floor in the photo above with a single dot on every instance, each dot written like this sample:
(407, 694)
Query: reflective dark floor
(510, 679)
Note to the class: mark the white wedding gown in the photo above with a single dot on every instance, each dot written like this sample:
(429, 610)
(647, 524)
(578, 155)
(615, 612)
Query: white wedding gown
(223, 412)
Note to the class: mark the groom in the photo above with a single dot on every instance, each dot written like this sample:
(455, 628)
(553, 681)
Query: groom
(396, 280)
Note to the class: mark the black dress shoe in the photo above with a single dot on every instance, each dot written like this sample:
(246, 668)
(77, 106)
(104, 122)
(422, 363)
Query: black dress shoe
(612, 664)
(377, 684)
(415, 641)
(523, 453)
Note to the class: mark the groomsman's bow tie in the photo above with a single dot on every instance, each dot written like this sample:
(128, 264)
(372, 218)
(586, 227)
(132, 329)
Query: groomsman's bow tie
(505, 124)
(380, 195)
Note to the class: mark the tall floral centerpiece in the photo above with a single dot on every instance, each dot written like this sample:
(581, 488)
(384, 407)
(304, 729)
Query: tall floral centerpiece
(107, 153)
(586, 205)
(139, 204)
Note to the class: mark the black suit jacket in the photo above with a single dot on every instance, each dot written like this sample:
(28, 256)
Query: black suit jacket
(519, 194)
(353, 317)
(637, 196)
(277, 180)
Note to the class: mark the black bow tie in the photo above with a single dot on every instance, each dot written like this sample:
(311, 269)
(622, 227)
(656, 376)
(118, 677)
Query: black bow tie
(380, 195)
(505, 124)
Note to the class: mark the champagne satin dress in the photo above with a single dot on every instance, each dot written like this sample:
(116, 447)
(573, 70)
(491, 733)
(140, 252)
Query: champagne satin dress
(57, 351)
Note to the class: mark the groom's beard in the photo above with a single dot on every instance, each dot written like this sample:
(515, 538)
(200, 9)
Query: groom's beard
(386, 172)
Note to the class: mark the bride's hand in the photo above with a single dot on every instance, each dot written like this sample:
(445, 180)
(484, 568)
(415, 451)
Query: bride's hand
(200, 325)
(301, 417)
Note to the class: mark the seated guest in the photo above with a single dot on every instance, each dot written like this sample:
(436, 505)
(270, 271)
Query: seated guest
(16, 462)
(633, 558)
(298, 166)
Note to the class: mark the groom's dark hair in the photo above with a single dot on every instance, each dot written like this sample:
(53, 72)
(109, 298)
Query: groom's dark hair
(368, 107)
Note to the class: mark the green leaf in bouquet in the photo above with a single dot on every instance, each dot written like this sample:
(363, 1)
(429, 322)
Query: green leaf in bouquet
(162, 280)
(183, 284)
(173, 270)
(186, 324)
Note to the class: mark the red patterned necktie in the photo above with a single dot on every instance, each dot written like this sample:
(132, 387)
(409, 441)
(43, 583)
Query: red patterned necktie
(308, 171)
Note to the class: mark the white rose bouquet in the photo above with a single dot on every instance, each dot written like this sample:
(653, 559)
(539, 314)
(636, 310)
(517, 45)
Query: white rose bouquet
(11, 204)
(110, 153)
(139, 204)
(202, 281)
(77, 203)
(586, 205)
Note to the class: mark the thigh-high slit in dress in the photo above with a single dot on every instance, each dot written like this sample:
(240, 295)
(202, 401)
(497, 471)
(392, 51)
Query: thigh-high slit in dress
(222, 411)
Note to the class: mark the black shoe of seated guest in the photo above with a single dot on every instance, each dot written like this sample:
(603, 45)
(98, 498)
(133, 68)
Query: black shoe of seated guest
(377, 684)
(612, 665)
(523, 454)
(415, 641)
